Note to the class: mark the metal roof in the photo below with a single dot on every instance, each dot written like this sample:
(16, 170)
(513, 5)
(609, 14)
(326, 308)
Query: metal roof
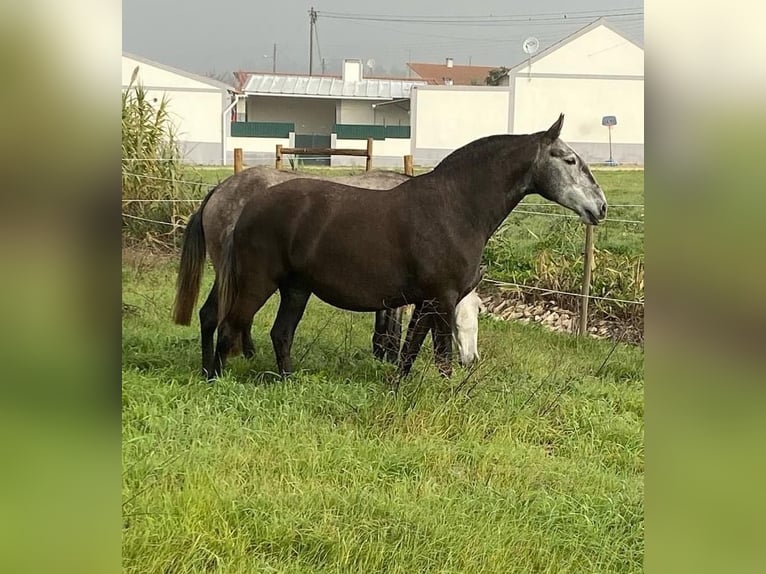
(324, 87)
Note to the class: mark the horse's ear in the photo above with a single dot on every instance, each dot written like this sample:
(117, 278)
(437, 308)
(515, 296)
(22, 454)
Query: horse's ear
(555, 130)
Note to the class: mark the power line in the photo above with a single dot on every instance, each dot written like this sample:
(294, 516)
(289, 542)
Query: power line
(464, 18)
(561, 18)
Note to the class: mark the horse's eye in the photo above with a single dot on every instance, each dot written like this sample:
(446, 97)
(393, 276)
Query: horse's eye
(570, 160)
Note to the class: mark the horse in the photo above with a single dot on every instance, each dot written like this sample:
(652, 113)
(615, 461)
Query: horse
(207, 229)
(419, 243)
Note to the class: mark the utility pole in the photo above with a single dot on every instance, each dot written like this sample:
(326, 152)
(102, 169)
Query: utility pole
(274, 60)
(323, 66)
(312, 23)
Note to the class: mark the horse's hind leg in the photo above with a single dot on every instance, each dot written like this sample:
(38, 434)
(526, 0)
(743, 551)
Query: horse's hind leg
(208, 320)
(393, 335)
(442, 324)
(292, 304)
(387, 337)
(248, 347)
(416, 333)
(379, 335)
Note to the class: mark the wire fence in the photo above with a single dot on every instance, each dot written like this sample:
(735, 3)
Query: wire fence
(557, 292)
(529, 208)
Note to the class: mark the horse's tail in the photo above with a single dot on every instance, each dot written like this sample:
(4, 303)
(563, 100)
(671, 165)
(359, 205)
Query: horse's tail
(193, 253)
(227, 278)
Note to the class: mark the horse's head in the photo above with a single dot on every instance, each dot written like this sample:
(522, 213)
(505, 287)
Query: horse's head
(560, 175)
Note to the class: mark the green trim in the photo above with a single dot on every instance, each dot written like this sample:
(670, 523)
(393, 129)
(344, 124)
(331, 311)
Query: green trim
(261, 129)
(398, 132)
(364, 131)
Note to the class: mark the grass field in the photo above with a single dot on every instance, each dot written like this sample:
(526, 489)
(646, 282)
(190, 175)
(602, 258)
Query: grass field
(533, 463)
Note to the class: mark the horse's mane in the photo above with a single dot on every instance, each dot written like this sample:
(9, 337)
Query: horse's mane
(483, 149)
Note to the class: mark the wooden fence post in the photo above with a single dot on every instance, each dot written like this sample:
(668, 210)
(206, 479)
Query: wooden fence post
(237, 159)
(368, 164)
(278, 163)
(408, 165)
(588, 268)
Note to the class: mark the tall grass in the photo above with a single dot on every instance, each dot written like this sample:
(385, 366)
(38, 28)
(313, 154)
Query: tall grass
(152, 169)
(534, 463)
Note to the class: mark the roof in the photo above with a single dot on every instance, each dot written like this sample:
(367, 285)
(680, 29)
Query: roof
(328, 86)
(190, 75)
(567, 39)
(460, 75)
(242, 76)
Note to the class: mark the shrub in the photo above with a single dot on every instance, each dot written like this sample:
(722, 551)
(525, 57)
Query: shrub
(152, 169)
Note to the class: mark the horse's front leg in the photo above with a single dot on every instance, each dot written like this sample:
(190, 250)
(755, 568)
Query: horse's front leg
(292, 304)
(379, 335)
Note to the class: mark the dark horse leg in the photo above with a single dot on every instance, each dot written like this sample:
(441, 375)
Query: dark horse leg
(379, 335)
(208, 320)
(239, 318)
(387, 336)
(292, 304)
(248, 347)
(418, 328)
(441, 325)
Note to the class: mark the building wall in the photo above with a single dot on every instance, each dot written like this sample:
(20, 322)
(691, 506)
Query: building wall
(196, 115)
(445, 118)
(584, 101)
(194, 108)
(599, 51)
(597, 74)
(362, 112)
(256, 151)
(387, 153)
(310, 115)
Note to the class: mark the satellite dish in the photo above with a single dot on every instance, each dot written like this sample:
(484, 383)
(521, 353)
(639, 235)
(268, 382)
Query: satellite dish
(370, 63)
(531, 45)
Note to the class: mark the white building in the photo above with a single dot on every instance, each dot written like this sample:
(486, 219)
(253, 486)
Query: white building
(593, 73)
(324, 111)
(199, 107)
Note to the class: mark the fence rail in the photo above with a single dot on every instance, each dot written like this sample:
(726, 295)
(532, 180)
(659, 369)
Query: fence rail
(324, 152)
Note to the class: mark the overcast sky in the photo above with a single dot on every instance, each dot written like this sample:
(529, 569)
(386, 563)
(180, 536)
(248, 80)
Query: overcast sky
(205, 36)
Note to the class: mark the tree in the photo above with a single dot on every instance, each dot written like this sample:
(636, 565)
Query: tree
(496, 75)
(225, 77)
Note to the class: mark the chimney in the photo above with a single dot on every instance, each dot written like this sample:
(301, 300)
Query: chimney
(352, 70)
(450, 62)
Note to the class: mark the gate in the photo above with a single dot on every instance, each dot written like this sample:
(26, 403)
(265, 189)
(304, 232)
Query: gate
(313, 140)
